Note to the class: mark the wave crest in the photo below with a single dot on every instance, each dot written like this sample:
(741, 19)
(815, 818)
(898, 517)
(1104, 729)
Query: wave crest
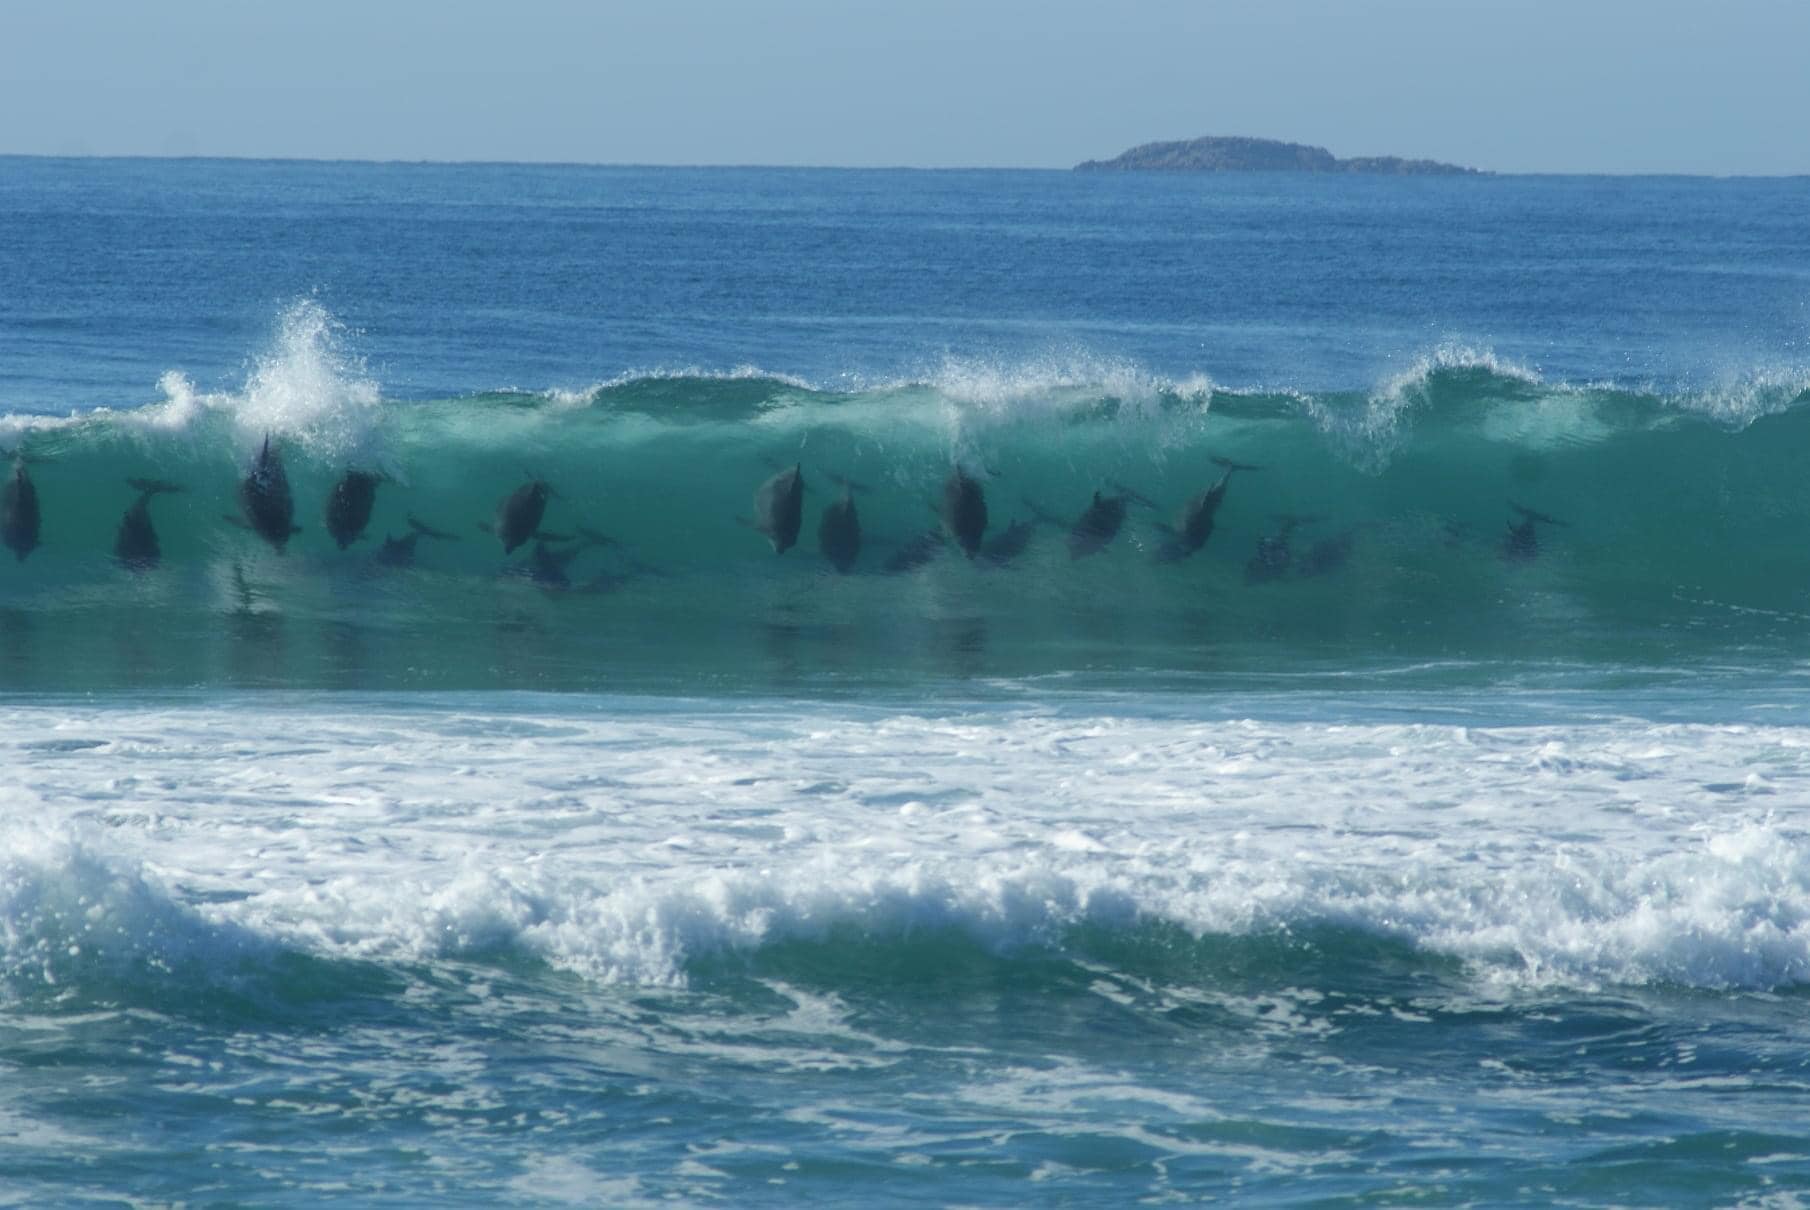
(75, 919)
(1732, 913)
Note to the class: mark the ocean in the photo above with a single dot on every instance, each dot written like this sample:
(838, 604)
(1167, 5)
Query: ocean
(1362, 758)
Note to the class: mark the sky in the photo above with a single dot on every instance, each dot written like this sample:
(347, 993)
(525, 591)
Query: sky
(1525, 86)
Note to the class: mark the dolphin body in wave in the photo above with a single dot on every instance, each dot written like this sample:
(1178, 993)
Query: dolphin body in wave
(400, 552)
(1194, 520)
(963, 510)
(547, 563)
(1330, 554)
(779, 508)
(1522, 542)
(20, 517)
(915, 553)
(1005, 546)
(518, 515)
(265, 499)
(135, 545)
(1098, 524)
(1275, 555)
(839, 530)
(349, 506)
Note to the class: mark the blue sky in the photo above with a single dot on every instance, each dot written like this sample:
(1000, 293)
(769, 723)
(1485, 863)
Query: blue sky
(1538, 85)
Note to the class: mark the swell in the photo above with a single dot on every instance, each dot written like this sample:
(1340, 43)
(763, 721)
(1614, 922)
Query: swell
(1377, 521)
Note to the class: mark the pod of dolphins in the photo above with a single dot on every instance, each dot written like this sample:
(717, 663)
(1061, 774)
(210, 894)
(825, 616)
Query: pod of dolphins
(962, 519)
(267, 508)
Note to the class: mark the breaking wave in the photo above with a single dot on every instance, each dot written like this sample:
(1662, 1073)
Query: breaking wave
(1465, 506)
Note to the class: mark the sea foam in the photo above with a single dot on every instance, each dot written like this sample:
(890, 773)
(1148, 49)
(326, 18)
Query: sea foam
(627, 847)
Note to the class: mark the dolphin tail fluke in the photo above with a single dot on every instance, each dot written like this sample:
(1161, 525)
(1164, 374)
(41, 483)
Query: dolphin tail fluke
(1236, 466)
(1531, 515)
(427, 531)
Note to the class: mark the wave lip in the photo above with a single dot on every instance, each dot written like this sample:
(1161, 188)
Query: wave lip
(679, 386)
(1749, 396)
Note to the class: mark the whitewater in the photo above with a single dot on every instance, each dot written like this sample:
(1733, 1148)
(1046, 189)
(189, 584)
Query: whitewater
(1433, 829)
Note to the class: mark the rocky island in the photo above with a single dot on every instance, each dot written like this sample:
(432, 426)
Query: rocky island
(1233, 154)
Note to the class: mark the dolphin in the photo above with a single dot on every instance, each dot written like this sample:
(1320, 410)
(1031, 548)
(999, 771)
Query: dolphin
(1522, 542)
(964, 510)
(1009, 543)
(400, 552)
(1274, 556)
(518, 514)
(1330, 554)
(839, 532)
(264, 496)
(1099, 522)
(1194, 520)
(915, 553)
(349, 506)
(546, 564)
(779, 508)
(136, 545)
(19, 517)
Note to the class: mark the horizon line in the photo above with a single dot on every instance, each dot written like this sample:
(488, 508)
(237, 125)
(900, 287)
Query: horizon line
(805, 167)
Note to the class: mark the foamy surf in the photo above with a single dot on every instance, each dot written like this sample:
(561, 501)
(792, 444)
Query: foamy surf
(626, 848)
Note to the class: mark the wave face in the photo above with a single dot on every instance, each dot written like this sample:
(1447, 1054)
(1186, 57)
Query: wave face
(1464, 510)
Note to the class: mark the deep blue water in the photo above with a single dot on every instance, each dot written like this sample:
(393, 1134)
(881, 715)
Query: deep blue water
(461, 279)
(1387, 843)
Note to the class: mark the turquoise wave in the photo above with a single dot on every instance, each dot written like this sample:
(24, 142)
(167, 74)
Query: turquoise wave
(1465, 510)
